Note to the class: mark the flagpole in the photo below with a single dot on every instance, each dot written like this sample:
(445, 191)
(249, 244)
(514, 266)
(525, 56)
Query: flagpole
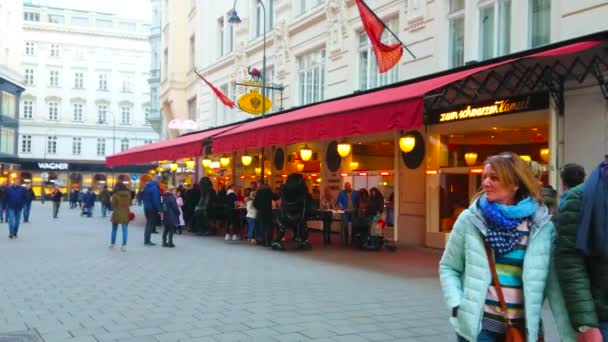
(388, 29)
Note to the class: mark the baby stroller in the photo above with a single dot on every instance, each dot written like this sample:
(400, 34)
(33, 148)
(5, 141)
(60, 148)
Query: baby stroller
(371, 236)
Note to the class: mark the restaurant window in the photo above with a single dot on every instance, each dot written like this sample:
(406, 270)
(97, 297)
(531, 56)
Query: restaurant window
(26, 144)
(125, 117)
(192, 109)
(103, 82)
(369, 76)
(30, 48)
(456, 32)
(304, 6)
(53, 111)
(9, 104)
(29, 76)
(311, 77)
(54, 50)
(102, 113)
(56, 19)
(7, 140)
(540, 22)
(77, 112)
(76, 145)
(124, 144)
(495, 29)
(28, 109)
(54, 78)
(78, 80)
(51, 145)
(101, 147)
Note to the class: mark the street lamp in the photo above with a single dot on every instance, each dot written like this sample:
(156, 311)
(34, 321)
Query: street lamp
(234, 19)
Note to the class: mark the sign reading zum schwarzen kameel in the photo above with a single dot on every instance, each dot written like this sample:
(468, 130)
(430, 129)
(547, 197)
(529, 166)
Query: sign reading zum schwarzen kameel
(503, 106)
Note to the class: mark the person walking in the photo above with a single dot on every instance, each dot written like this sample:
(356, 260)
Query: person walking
(264, 218)
(73, 197)
(89, 202)
(105, 198)
(582, 252)
(3, 189)
(151, 199)
(231, 217)
(14, 200)
(56, 196)
(251, 215)
(180, 204)
(499, 256)
(27, 206)
(120, 201)
(348, 200)
(171, 213)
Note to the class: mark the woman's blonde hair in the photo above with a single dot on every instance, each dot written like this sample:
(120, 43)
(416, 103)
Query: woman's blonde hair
(512, 170)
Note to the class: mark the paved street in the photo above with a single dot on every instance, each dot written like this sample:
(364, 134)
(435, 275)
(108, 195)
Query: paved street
(60, 281)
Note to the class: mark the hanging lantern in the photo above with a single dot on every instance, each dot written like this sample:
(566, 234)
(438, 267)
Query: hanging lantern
(258, 170)
(190, 164)
(173, 166)
(215, 165)
(354, 165)
(246, 159)
(206, 162)
(224, 161)
(525, 158)
(300, 167)
(407, 143)
(160, 169)
(344, 149)
(162, 162)
(544, 154)
(470, 158)
(306, 153)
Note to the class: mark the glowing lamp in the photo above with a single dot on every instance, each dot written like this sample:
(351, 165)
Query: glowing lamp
(362, 173)
(476, 171)
(242, 177)
(225, 161)
(215, 165)
(343, 174)
(431, 172)
(246, 159)
(162, 162)
(344, 149)
(407, 143)
(470, 158)
(206, 162)
(384, 173)
(152, 171)
(318, 180)
(258, 170)
(354, 165)
(160, 169)
(525, 158)
(190, 164)
(306, 153)
(283, 176)
(544, 154)
(300, 167)
(173, 166)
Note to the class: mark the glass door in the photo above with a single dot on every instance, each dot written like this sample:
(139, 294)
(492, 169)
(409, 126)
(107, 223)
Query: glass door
(457, 188)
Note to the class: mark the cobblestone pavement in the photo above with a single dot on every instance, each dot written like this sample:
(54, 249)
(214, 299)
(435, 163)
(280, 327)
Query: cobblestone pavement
(60, 281)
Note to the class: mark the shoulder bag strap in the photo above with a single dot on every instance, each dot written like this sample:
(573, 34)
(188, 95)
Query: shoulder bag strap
(501, 298)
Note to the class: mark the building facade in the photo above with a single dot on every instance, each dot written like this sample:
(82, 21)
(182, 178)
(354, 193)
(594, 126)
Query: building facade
(154, 80)
(87, 92)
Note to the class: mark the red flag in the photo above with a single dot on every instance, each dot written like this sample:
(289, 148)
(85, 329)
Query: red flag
(225, 100)
(386, 55)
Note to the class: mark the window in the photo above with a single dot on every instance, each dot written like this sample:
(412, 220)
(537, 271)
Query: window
(29, 76)
(56, 19)
(125, 118)
(259, 17)
(230, 39)
(165, 70)
(495, 29)
(192, 109)
(54, 50)
(131, 27)
(456, 48)
(54, 78)
(147, 141)
(29, 48)
(7, 140)
(78, 80)
(26, 144)
(101, 147)
(124, 144)
(100, 23)
(53, 111)
(102, 111)
(76, 145)
(9, 104)
(31, 16)
(540, 22)
(28, 107)
(126, 86)
(51, 145)
(80, 21)
(103, 82)
(154, 97)
(77, 112)
(146, 114)
(311, 77)
(304, 6)
(222, 110)
(192, 52)
(456, 5)
(369, 77)
(220, 36)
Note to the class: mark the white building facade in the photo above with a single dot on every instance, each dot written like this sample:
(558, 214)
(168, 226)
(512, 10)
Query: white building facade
(154, 79)
(87, 87)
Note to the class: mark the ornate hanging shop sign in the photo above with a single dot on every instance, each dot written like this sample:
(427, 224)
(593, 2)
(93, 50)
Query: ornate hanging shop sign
(492, 108)
(252, 102)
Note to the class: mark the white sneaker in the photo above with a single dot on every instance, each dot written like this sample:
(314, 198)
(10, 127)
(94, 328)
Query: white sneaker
(235, 237)
(227, 237)
(111, 246)
(123, 248)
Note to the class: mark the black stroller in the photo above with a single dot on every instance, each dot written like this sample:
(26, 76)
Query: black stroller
(368, 234)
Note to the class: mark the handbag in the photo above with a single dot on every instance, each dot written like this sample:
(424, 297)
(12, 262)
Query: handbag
(512, 334)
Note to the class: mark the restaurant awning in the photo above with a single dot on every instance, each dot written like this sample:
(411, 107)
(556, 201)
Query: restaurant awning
(190, 145)
(393, 108)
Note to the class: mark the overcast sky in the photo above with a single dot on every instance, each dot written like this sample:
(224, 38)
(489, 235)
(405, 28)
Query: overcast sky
(132, 9)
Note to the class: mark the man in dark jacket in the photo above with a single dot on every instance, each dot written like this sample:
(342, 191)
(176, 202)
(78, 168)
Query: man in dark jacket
(29, 197)
(151, 199)
(14, 199)
(89, 202)
(3, 188)
(56, 199)
(264, 220)
(581, 255)
(104, 198)
(171, 214)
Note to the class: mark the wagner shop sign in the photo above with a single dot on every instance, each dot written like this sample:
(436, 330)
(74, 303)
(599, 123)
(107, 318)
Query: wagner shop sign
(480, 110)
(53, 166)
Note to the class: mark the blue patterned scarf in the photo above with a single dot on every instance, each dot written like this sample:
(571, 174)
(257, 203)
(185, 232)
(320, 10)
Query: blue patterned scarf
(502, 221)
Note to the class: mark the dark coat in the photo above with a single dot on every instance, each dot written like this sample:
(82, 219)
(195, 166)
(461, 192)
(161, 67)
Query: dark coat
(121, 201)
(2, 194)
(583, 280)
(29, 196)
(151, 196)
(170, 210)
(89, 199)
(15, 197)
(56, 196)
(105, 196)
(263, 203)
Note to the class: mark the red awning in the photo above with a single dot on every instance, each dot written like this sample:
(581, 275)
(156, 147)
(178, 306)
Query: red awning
(397, 108)
(181, 147)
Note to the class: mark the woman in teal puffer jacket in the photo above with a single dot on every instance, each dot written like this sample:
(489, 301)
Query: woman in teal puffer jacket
(509, 217)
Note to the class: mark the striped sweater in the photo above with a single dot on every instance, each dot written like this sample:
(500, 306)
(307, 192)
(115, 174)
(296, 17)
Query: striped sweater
(509, 269)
